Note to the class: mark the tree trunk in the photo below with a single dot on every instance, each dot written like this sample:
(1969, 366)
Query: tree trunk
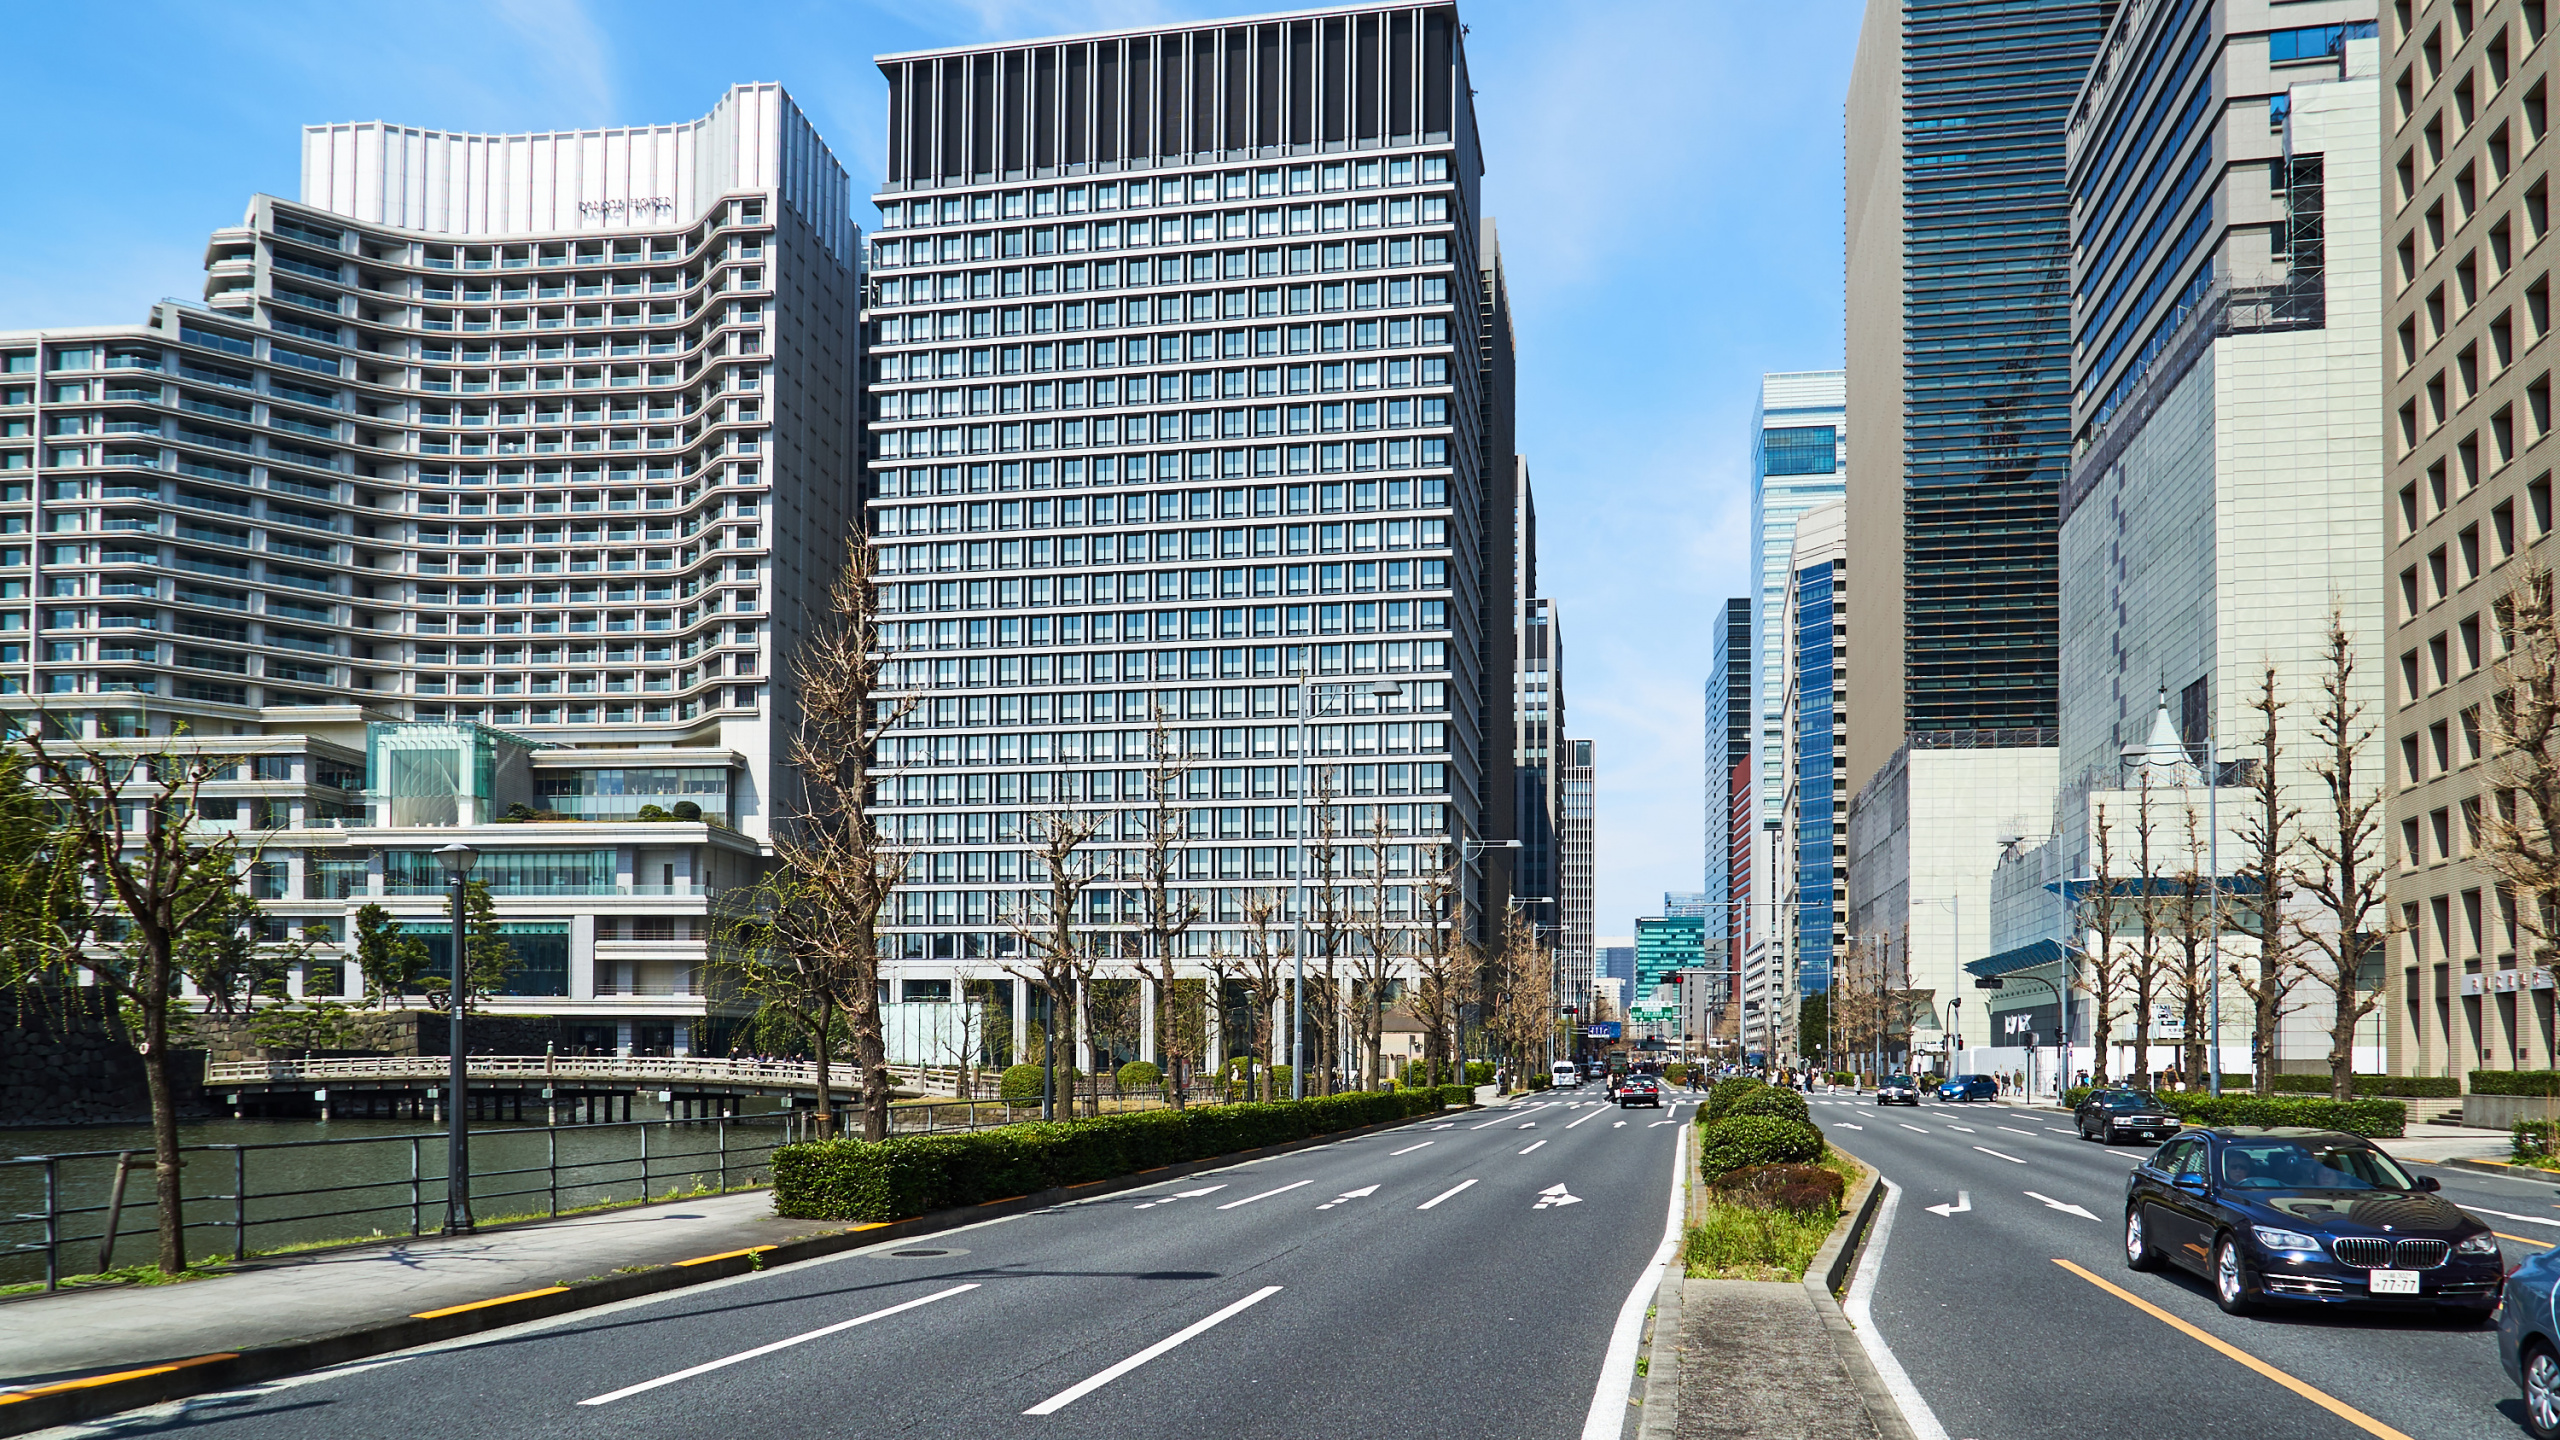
(825, 1119)
(166, 1178)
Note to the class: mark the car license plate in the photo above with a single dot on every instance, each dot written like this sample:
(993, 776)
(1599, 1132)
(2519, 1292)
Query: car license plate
(2395, 1282)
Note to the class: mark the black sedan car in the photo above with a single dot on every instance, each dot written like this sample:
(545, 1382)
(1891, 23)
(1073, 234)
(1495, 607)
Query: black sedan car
(2316, 1216)
(1898, 1090)
(2108, 1114)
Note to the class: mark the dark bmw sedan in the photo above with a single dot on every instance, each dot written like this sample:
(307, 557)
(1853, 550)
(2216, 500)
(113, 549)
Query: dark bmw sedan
(2107, 1114)
(2306, 1215)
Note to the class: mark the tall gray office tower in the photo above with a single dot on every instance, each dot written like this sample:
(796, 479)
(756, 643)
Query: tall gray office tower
(1184, 377)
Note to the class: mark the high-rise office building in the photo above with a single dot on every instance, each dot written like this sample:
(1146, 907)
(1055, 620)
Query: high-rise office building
(491, 481)
(1575, 859)
(1191, 398)
(2467, 410)
(1814, 843)
(1537, 721)
(1728, 736)
(1798, 431)
(2226, 492)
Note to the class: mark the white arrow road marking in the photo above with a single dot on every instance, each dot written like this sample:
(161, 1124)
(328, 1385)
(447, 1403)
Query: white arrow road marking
(1184, 1195)
(2052, 1204)
(1534, 1144)
(1595, 1114)
(1078, 1391)
(1409, 1149)
(1443, 1195)
(726, 1360)
(1265, 1195)
(1911, 1128)
(1553, 1196)
(1349, 1195)
(1964, 1202)
(2012, 1159)
(2507, 1215)
(1618, 1125)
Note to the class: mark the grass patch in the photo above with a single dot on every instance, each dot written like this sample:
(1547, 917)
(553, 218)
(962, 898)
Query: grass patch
(204, 1269)
(1726, 1241)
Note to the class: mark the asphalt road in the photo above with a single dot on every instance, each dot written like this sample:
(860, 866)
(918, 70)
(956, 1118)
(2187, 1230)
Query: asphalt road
(2006, 1343)
(1331, 1291)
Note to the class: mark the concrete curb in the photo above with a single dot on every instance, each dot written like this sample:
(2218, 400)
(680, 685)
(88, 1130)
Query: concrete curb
(1833, 1264)
(2496, 1167)
(71, 1401)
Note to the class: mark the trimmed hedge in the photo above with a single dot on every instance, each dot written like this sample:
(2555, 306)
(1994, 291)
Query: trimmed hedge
(1744, 1140)
(1456, 1095)
(2369, 1117)
(2433, 1087)
(1139, 1075)
(1771, 1100)
(1720, 1099)
(916, 1174)
(1022, 1083)
(2515, 1082)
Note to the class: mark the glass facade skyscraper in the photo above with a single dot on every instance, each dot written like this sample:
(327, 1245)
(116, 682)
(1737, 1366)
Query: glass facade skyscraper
(1815, 723)
(1986, 91)
(1798, 435)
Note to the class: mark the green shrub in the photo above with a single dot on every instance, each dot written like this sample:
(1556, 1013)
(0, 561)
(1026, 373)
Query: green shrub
(1022, 1083)
(2533, 1140)
(1726, 1091)
(1770, 1100)
(2379, 1118)
(2072, 1097)
(913, 1175)
(1798, 1189)
(2515, 1082)
(688, 811)
(1730, 1144)
(1457, 1095)
(2413, 1086)
(1140, 1075)
(1479, 1072)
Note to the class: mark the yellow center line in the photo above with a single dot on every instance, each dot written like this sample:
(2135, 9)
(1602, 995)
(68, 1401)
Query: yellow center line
(2325, 1401)
(2521, 1240)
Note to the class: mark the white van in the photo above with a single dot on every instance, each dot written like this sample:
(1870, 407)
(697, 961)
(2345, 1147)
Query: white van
(1564, 1075)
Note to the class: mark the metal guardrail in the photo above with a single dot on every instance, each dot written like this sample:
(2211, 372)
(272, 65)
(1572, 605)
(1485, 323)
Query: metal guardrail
(546, 1069)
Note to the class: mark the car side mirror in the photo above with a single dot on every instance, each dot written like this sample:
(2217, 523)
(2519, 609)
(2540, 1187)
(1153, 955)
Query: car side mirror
(2189, 1180)
(2430, 1184)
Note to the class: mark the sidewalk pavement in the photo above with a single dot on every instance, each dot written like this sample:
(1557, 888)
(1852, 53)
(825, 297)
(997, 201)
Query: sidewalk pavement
(1758, 1361)
(2437, 1143)
(269, 1302)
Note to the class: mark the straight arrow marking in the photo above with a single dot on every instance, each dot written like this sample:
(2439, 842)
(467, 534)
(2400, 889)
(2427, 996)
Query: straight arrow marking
(1553, 1196)
(2053, 1204)
(1348, 1195)
(1183, 1195)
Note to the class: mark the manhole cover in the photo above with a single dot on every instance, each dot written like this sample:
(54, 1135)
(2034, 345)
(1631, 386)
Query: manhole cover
(927, 1254)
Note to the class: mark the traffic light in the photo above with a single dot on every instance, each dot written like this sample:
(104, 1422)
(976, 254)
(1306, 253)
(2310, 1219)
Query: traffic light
(1673, 978)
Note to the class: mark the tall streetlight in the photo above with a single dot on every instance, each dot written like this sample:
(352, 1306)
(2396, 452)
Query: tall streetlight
(1382, 689)
(458, 859)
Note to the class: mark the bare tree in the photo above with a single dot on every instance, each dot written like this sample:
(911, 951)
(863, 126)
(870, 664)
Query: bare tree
(2347, 874)
(2520, 831)
(2145, 968)
(1056, 955)
(2099, 913)
(1166, 913)
(964, 1037)
(119, 821)
(1439, 910)
(2267, 830)
(837, 868)
(1330, 922)
(1524, 974)
(1263, 970)
(1382, 942)
(2188, 910)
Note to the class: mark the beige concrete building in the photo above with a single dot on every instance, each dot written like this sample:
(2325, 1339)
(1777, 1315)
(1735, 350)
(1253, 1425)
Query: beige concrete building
(1874, 484)
(2468, 413)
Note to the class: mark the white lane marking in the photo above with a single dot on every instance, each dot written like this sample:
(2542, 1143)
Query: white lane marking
(2050, 1130)
(1195, 1329)
(2052, 1204)
(1964, 1202)
(1595, 1114)
(1364, 1190)
(1672, 1121)
(1911, 1127)
(1528, 1124)
(2128, 1155)
(1845, 1125)
(1409, 1149)
(1443, 1195)
(1452, 1125)
(1489, 1124)
(1607, 1417)
(1618, 1125)
(1265, 1195)
(1181, 1195)
(1969, 1130)
(1862, 1288)
(1534, 1144)
(2509, 1215)
(1553, 1196)
(728, 1360)
(2014, 1130)
(2012, 1159)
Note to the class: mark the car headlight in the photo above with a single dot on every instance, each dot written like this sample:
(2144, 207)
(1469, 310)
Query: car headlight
(2275, 1239)
(2480, 1244)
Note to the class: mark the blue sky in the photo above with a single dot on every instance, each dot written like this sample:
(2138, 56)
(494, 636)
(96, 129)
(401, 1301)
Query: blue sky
(1666, 175)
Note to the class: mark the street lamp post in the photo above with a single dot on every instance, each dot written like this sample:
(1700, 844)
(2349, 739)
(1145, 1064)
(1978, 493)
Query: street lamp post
(458, 859)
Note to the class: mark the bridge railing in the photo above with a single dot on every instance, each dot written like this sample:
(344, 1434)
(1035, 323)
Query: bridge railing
(705, 1070)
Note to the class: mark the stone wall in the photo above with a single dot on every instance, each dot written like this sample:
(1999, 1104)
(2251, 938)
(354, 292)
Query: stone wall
(64, 1061)
(399, 1032)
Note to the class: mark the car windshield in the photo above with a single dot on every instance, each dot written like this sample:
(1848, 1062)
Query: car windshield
(2130, 1100)
(1898, 1082)
(2309, 1165)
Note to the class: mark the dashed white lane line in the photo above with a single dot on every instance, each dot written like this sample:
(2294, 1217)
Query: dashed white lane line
(2051, 1130)
(1265, 1195)
(2128, 1155)
(1409, 1149)
(821, 1332)
(1490, 1124)
(1594, 1115)
(1987, 1150)
(1443, 1195)
(1969, 1130)
(2014, 1130)
(1533, 1145)
(1912, 1128)
(1845, 1125)
(1196, 1328)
